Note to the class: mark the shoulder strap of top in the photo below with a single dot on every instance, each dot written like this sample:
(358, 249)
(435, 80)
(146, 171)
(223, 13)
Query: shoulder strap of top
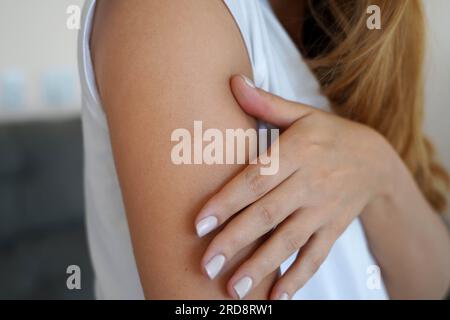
(250, 21)
(91, 99)
(246, 13)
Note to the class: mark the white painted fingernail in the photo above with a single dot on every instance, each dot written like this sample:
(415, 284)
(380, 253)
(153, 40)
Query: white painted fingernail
(243, 286)
(248, 82)
(214, 266)
(284, 296)
(206, 225)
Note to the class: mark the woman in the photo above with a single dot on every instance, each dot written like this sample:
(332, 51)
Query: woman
(357, 190)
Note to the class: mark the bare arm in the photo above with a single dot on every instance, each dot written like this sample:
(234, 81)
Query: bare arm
(409, 240)
(327, 177)
(160, 65)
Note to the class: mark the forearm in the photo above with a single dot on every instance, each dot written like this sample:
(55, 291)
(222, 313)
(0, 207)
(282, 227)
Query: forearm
(409, 240)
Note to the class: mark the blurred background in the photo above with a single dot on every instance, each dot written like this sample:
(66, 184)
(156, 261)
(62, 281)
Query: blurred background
(42, 228)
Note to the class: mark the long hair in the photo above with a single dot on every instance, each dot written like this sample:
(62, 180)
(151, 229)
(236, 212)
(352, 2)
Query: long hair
(375, 77)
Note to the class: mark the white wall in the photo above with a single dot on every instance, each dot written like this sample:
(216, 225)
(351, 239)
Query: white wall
(438, 77)
(36, 43)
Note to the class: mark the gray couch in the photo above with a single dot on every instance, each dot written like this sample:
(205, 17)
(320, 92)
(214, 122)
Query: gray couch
(42, 228)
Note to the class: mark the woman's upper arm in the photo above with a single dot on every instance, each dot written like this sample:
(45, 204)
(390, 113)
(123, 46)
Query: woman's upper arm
(160, 65)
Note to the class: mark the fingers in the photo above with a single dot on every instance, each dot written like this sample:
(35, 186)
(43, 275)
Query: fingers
(265, 106)
(250, 185)
(245, 188)
(255, 221)
(307, 263)
(291, 235)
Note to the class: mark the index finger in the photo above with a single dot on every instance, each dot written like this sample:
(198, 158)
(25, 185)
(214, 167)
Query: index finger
(244, 189)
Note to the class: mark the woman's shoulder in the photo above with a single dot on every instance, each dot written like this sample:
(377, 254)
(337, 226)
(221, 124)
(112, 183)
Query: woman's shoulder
(203, 18)
(184, 37)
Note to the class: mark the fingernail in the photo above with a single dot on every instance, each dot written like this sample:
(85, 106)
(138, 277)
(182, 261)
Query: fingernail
(284, 296)
(206, 225)
(243, 286)
(248, 82)
(214, 266)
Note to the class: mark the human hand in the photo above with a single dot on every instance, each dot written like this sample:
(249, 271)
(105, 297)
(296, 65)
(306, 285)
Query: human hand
(330, 170)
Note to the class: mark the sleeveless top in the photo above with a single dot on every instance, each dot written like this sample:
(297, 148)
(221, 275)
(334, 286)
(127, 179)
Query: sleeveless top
(278, 67)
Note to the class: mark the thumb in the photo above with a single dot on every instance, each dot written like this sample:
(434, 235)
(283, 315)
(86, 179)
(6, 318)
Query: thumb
(266, 106)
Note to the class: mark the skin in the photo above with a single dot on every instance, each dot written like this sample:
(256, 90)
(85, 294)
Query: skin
(327, 178)
(151, 86)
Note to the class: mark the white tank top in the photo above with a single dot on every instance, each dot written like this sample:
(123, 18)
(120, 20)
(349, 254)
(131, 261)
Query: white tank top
(349, 272)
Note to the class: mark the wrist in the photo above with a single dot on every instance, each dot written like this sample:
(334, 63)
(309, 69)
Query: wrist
(388, 179)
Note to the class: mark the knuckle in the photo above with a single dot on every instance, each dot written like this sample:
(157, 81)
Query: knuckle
(292, 242)
(256, 183)
(300, 140)
(315, 261)
(229, 242)
(320, 180)
(267, 216)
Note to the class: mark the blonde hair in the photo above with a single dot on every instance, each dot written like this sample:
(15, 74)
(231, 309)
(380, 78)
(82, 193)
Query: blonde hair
(375, 77)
